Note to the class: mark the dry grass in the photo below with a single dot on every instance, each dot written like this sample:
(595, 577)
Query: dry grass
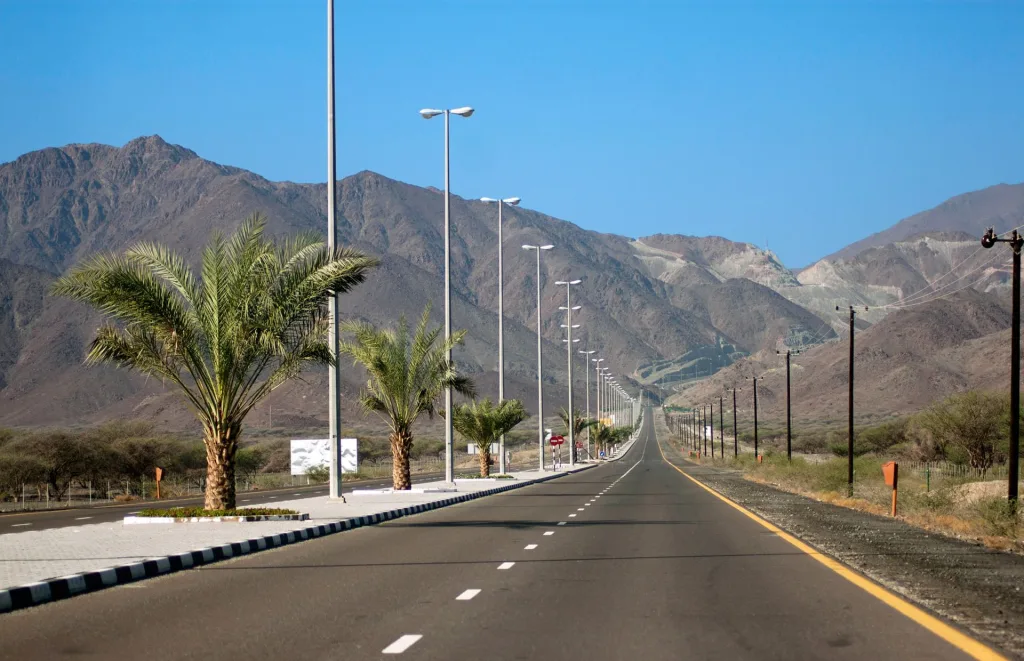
(966, 510)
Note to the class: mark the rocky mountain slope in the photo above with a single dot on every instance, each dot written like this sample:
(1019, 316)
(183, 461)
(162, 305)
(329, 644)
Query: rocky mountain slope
(903, 363)
(59, 205)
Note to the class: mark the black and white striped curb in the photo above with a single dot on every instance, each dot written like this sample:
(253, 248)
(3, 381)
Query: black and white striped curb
(55, 589)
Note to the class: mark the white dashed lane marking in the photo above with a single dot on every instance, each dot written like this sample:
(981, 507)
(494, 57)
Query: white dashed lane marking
(467, 595)
(530, 547)
(561, 523)
(506, 565)
(572, 516)
(20, 525)
(550, 532)
(402, 644)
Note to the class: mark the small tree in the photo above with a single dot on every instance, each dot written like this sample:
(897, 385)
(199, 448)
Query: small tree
(972, 422)
(251, 460)
(253, 319)
(484, 423)
(408, 372)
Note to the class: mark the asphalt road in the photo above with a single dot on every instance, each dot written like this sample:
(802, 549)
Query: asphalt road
(13, 522)
(647, 565)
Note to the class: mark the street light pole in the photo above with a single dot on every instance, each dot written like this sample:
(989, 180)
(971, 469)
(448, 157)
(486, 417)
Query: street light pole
(755, 417)
(428, 113)
(334, 375)
(512, 201)
(568, 316)
(590, 437)
(540, 363)
(1016, 242)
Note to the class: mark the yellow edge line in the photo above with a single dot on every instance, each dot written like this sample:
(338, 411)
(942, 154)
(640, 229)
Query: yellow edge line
(955, 638)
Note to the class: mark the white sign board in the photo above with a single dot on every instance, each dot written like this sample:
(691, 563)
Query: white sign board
(308, 453)
(472, 449)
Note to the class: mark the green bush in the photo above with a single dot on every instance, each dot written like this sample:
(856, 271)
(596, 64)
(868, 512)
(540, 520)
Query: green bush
(189, 512)
(318, 474)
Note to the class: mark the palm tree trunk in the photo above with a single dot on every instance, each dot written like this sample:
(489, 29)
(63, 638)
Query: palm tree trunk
(485, 460)
(221, 446)
(401, 444)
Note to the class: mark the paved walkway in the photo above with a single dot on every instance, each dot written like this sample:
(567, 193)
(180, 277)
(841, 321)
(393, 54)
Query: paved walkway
(33, 556)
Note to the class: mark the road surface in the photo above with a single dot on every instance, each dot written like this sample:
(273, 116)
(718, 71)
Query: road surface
(630, 560)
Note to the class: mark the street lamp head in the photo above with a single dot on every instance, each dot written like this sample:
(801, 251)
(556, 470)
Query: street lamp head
(427, 113)
(577, 307)
(547, 247)
(512, 201)
(464, 111)
(488, 199)
(575, 282)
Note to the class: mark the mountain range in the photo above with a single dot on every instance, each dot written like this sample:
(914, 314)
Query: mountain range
(656, 308)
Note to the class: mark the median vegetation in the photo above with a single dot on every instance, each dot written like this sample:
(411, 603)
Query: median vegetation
(199, 512)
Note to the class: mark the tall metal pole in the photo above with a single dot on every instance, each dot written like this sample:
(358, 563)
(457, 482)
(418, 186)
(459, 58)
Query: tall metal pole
(849, 450)
(540, 372)
(501, 342)
(334, 378)
(590, 449)
(1016, 243)
(568, 356)
(789, 416)
(449, 459)
(704, 426)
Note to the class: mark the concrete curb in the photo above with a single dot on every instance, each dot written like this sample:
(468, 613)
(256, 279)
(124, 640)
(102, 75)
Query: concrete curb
(55, 589)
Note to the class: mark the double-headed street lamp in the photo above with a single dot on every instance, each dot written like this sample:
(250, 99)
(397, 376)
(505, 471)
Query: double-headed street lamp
(586, 366)
(540, 382)
(511, 201)
(428, 113)
(569, 326)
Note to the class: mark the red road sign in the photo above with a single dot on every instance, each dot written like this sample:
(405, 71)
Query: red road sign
(557, 440)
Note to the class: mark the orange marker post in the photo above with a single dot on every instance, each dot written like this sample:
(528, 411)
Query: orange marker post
(891, 472)
(159, 476)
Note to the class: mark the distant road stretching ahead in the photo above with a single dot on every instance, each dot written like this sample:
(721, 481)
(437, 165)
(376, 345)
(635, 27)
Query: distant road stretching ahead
(630, 560)
(12, 522)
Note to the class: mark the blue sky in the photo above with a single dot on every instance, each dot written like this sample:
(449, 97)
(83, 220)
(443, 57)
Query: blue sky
(806, 125)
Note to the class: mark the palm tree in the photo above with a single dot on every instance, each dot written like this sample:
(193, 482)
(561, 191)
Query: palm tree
(483, 423)
(604, 437)
(254, 317)
(407, 374)
(579, 423)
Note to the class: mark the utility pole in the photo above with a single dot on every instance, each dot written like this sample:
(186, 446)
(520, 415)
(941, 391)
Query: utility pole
(789, 415)
(849, 448)
(1016, 242)
(735, 438)
(712, 405)
(755, 417)
(721, 425)
(704, 426)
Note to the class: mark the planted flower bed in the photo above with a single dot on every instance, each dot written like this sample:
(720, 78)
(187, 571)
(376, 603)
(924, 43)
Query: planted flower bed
(200, 515)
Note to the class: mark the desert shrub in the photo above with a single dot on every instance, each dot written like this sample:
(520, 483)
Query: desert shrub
(970, 425)
(250, 460)
(1001, 517)
(318, 474)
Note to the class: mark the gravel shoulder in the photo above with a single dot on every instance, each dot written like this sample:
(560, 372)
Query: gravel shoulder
(970, 585)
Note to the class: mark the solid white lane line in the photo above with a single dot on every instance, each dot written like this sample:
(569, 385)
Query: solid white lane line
(135, 512)
(82, 518)
(467, 595)
(550, 532)
(506, 565)
(20, 525)
(561, 523)
(530, 547)
(402, 644)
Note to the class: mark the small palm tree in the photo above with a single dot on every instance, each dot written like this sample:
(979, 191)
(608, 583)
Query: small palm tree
(604, 437)
(579, 424)
(484, 423)
(407, 374)
(254, 318)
